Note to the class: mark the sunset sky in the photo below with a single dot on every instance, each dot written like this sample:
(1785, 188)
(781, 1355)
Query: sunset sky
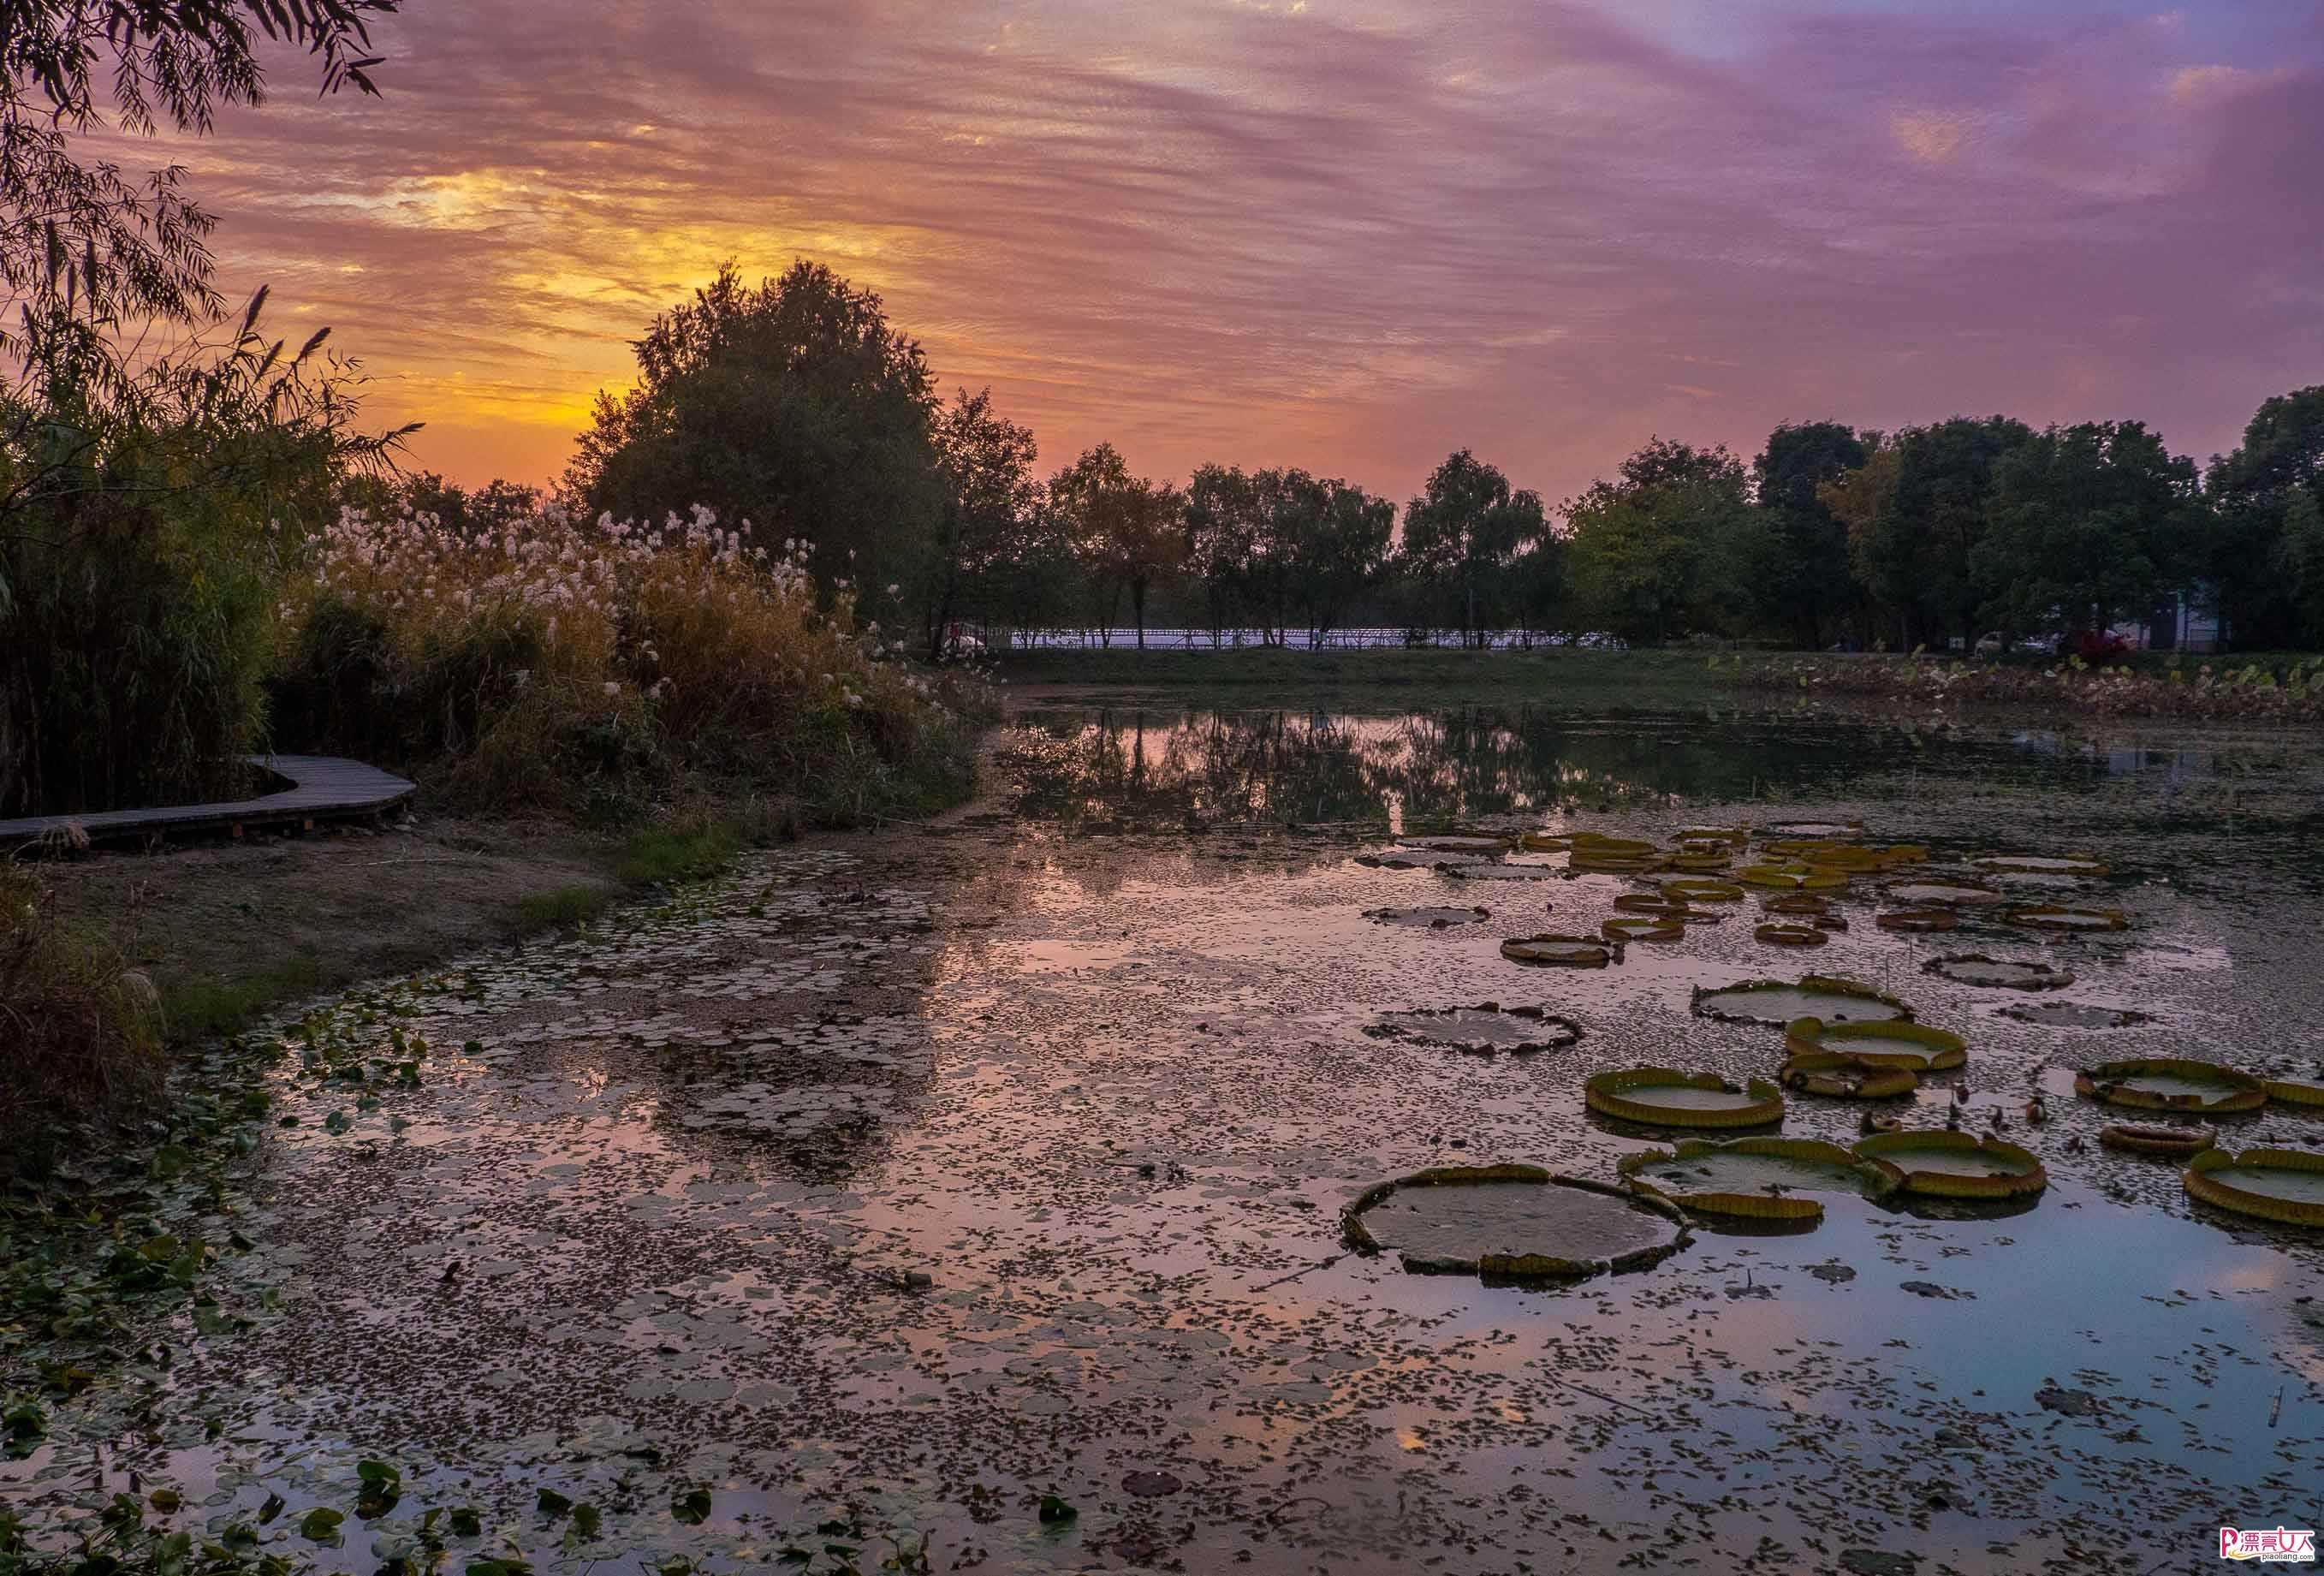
(1340, 233)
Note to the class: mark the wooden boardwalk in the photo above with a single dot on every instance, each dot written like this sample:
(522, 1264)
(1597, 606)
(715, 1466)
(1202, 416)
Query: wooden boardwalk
(323, 788)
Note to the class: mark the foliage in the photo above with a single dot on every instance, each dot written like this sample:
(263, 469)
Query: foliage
(1465, 530)
(1917, 550)
(142, 541)
(795, 407)
(991, 502)
(2090, 522)
(83, 248)
(1803, 569)
(1279, 543)
(2265, 590)
(1128, 530)
(81, 1029)
(1660, 551)
(567, 665)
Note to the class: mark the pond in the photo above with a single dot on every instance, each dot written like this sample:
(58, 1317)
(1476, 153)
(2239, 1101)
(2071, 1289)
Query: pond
(914, 1179)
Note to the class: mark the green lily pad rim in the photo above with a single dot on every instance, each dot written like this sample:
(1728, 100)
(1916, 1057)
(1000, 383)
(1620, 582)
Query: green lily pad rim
(2243, 1091)
(1894, 1152)
(1937, 1049)
(1607, 1095)
(1504, 1266)
(2207, 1178)
(1753, 1206)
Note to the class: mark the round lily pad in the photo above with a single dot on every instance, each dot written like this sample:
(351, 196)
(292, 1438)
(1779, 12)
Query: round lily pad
(2171, 1084)
(2042, 864)
(1759, 1179)
(2141, 1139)
(1590, 862)
(1599, 842)
(1462, 843)
(2000, 973)
(1845, 1077)
(1698, 861)
(2286, 1185)
(1776, 1002)
(1514, 1223)
(1930, 891)
(1417, 859)
(1571, 952)
(1545, 843)
(1806, 903)
(1698, 890)
(2296, 1090)
(1729, 836)
(1666, 1097)
(1918, 921)
(1775, 935)
(1791, 877)
(2074, 1014)
(1501, 872)
(1914, 1047)
(1426, 918)
(2057, 917)
(1953, 1165)
(1640, 927)
(1482, 1030)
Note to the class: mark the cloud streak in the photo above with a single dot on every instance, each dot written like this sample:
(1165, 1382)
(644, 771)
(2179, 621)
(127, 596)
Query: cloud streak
(1348, 236)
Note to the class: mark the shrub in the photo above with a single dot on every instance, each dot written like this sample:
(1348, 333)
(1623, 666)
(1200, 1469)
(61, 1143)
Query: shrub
(551, 662)
(82, 1030)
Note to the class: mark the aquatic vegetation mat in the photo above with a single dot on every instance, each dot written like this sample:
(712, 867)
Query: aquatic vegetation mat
(2284, 1185)
(2171, 1084)
(2058, 917)
(1777, 1002)
(1512, 1222)
(1975, 968)
(1914, 1047)
(1666, 1097)
(1482, 1029)
(1951, 1165)
(2147, 1139)
(1429, 918)
(1757, 1179)
(1570, 952)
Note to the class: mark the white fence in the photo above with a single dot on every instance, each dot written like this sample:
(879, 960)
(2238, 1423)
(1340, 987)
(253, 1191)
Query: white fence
(1198, 640)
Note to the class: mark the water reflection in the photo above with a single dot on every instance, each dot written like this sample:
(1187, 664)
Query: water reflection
(1160, 766)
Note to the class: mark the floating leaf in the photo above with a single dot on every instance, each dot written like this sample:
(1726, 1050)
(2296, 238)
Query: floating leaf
(1666, 1097)
(1512, 1222)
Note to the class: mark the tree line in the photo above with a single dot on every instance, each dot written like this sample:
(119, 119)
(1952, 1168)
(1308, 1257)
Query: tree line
(795, 404)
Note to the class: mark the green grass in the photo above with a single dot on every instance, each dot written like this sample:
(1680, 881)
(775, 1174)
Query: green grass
(687, 851)
(562, 909)
(197, 1010)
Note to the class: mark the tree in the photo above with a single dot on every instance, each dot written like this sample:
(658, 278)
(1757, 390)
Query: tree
(2303, 564)
(2087, 525)
(1227, 526)
(1917, 551)
(986, 462)
(84, 248)
(1641, 549)
(1341, 549)
(2253, 491)
(1465, 527)
(794, 406)
(1804, 576)
(1857, 500)
(1130, 531)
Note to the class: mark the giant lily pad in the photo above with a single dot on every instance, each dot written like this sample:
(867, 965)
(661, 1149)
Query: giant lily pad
(1759, 1179)
(2139, 1138)
(1641, 927)
(1417, 859)
(2000, 973)
(2296, 1090)
(2042, 864)
(1545, 841)
(1918, 921)
(1845, 1077)
(1932, 891)
(1571, 952)
(1952, 1164)
(1723, 836)
(1518, 872)
(1666, 1097)
(2074, 1014)
(1698, 890)
(1426, 918)
(2171, 1084)
(1513, 1221)
(1806, 903)
(1779, 935)
(1914, 1047)
(1482, 1030)
(1793, 829)
(1792, 877)
(1776, 1002)
(1601, 843)
(2057, 917)
(1477, 842)
(2285, 1185)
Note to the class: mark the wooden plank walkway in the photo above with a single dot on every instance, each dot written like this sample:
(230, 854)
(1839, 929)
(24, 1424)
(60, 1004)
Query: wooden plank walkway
(322, 787)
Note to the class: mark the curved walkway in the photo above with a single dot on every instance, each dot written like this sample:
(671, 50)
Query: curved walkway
(322, 787)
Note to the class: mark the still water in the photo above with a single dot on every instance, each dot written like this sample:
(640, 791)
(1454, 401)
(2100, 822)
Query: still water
(922, 1176)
